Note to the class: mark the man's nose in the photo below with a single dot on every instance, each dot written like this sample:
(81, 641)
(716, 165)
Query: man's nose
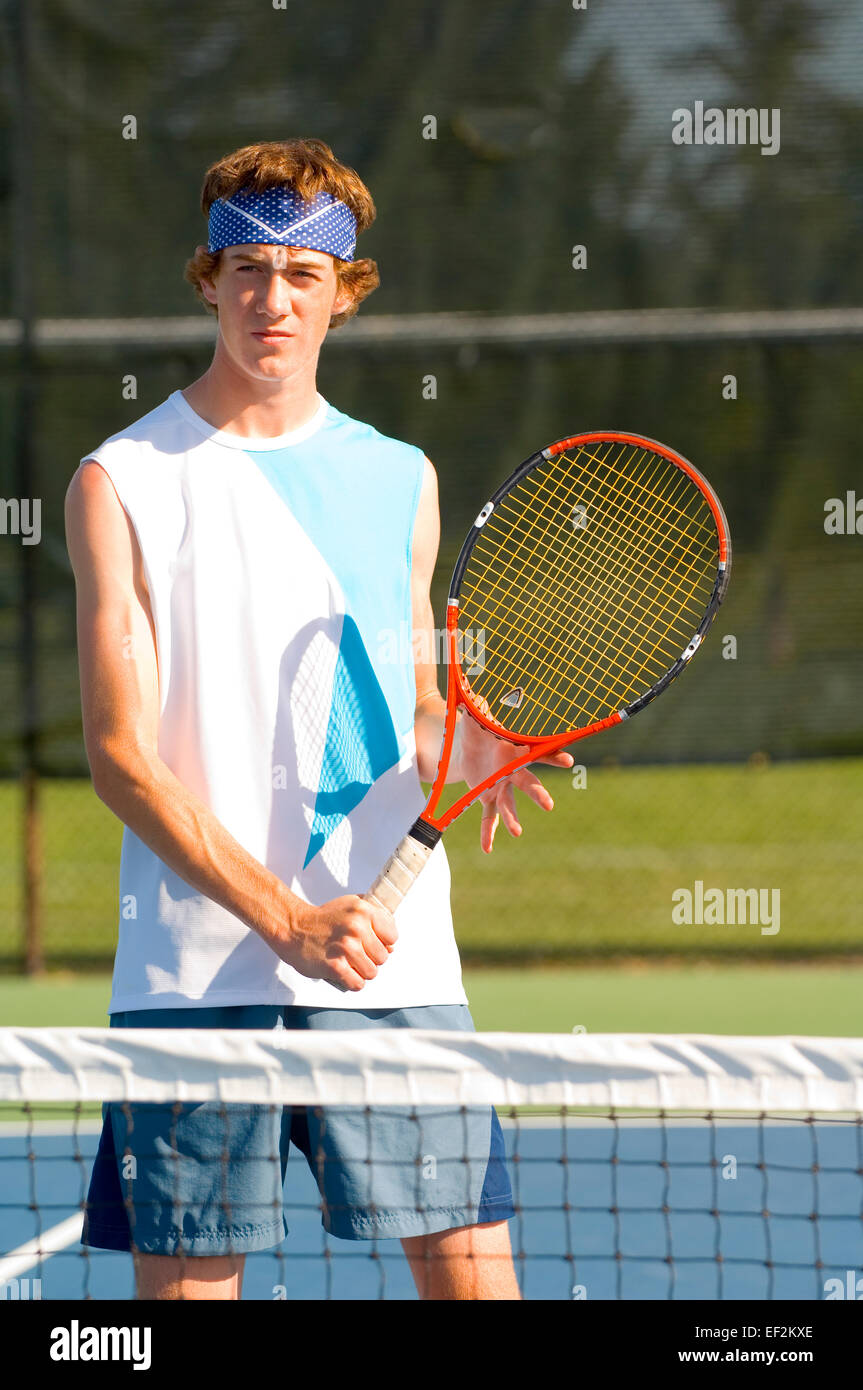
(277, 297)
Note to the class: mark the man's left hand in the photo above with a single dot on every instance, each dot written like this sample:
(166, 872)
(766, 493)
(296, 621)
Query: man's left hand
(480, 754)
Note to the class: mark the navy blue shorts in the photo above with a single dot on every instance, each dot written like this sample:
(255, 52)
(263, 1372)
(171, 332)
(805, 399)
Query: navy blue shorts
(206, 1179)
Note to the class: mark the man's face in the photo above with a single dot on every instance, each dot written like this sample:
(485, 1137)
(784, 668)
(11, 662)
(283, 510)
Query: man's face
(275, 305)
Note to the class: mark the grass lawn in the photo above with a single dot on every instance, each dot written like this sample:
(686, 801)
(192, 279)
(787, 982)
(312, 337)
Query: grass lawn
(594, 878)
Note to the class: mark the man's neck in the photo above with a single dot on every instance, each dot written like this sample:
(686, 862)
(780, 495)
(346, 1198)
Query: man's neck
(253, 410)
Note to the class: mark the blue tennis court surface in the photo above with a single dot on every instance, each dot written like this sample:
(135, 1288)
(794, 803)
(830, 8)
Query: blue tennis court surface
(631, 1209)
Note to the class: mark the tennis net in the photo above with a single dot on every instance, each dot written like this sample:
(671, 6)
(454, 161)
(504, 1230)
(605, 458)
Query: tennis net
(642, 1166)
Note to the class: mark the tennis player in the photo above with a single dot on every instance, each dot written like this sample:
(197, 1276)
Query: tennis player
(245, 555)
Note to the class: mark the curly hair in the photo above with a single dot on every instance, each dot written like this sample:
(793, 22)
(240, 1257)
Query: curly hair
(308, 166)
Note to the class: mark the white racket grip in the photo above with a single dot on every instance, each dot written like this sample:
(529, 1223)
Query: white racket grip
(399, 873)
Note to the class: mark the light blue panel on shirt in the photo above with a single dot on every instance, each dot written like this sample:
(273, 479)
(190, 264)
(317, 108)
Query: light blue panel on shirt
(361, 742)
(354, 492)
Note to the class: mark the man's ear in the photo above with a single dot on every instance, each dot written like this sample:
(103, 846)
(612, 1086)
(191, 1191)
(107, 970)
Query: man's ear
(208, 285)
(344, 300)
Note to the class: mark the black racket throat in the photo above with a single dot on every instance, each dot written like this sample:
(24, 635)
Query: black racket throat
(424, 833)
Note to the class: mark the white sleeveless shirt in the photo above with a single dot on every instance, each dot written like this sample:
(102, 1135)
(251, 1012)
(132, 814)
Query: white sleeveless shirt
(279, 580)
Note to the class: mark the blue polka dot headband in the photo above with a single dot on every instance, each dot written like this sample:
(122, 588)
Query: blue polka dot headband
(279, 216)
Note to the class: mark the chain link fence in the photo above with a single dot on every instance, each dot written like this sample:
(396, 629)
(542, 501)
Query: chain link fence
(553, 260)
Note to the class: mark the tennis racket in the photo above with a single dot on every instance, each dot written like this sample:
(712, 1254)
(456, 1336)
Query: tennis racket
(585, 586)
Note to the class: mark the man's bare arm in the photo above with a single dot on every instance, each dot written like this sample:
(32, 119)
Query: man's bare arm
(430, 706)
(344, 941)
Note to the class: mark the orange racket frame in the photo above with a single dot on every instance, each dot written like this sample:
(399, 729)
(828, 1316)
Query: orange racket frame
(413, 852)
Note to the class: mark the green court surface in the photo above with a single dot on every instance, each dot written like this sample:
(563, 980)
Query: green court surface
(592, 879)
(825, 1000)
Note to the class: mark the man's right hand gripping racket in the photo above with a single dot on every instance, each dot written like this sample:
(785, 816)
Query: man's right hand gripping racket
(593, 574)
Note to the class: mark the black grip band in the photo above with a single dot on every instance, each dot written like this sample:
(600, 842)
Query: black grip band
(425, 833)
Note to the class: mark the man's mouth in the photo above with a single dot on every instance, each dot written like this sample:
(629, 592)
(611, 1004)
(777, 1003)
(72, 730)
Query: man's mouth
(271, 333)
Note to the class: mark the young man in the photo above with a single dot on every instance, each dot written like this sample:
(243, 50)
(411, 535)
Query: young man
(237, 552)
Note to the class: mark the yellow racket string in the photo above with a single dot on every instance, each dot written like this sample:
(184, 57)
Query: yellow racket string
(617, 692)
(665, 613)
(592, 576)
(588, 571)
(613, 577)
(503, 506)
(521, 576)
(588, 580)
(567, 610)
